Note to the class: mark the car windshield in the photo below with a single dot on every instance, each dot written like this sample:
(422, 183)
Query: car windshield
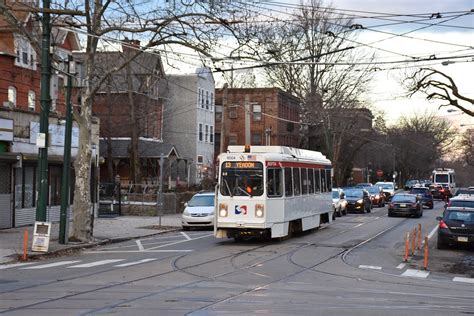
(419, 190)
(386, 186)
(242, 178)
(404, 198)
(465, 217)
(335, 194)
(373, 190)
(354, 194)
(441, 178)
(461, 203)
(202, 200)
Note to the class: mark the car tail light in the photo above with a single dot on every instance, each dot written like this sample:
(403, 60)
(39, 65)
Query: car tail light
(442, 225)
(449, 204)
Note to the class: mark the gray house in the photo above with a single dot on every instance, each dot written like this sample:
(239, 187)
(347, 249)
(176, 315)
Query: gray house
(188, 120)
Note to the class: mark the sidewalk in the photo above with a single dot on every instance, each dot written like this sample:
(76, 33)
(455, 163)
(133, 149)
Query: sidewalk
(105, 230)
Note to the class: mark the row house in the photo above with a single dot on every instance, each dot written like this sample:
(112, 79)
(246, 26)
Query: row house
(19, 118)
(188, 121)
(272, 117)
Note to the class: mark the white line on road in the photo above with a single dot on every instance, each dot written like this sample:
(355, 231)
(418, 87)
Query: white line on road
(179, 242)
(186, 236)
(139, 244)
(139, 251)
(135, 262)
(464, 280)
(14, 265)
(96, 263)
(370, 267)
(358, 225)
(51, 265)
(401, 266)
(416, 273)
(433, 232)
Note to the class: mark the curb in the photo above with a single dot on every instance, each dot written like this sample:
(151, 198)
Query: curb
(79, 247)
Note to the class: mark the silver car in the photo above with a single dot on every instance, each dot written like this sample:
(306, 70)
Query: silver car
(199, 211)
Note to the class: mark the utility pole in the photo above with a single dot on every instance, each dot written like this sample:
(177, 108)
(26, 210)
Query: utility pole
(247, 119)
(42, 182)
(65, 181)
(223, 119)
(159, 201)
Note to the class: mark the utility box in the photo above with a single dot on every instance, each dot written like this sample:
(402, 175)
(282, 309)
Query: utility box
(41, 235)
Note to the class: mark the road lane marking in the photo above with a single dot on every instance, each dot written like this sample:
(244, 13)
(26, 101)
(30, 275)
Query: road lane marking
(14, 265)
(51, 265)
(401, 266)
(96, 263)
(139, 244)
(370, 267)
(464, 280)
(139, 251)
(358, 225)
(433, 232)
(179, 242)
(135, 262)
(415, 273)
(186, 236)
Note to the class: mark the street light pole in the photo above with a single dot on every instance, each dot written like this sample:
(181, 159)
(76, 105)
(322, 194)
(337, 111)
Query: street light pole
(42, 182)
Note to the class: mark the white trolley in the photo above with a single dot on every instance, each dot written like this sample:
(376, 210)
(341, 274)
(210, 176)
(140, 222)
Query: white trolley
(271, 191)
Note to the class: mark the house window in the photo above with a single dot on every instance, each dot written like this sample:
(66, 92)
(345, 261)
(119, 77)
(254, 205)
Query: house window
(256, 139)
(212, 100)
(257, 112)
(200, 132)
(233, 111)
(199, 97)
(206, 135)
(200, 159)
(25, 54)
(202, 99)
(233, 139)
(12, 95)
(31, 100)
(218, 115)
(207, 100)
(211, 134)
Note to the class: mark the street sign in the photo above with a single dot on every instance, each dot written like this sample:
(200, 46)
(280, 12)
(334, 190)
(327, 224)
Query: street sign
(379, 173)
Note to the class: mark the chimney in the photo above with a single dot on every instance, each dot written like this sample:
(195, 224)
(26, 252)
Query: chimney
(130, 45)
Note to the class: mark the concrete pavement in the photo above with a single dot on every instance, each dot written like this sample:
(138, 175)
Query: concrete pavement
(105, 230)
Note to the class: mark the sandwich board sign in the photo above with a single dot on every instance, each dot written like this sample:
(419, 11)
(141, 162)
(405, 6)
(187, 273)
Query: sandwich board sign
(41, 235)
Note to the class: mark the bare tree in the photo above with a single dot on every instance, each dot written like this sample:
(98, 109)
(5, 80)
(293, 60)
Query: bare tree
(195, 26)
(439, 86)
(467, 146)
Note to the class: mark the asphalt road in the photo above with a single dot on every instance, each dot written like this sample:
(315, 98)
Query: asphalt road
(353, 266)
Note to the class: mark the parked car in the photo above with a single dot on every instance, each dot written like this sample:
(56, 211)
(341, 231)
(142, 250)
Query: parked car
(425, 194)
(405, 204)
(410, 184)
(388, 189)
(339, 202)
(456, 226)
(199, 211)
(363, 185)
(376, 195)
(464, 191)
(358, 200)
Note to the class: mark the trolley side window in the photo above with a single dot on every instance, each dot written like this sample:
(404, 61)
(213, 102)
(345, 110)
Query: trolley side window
(296, 181)
(317, 181)
(328, 179)
(323, 180)
(304, 181)
(242, 178)
(288, 182)
(274, 183)
(310, 181)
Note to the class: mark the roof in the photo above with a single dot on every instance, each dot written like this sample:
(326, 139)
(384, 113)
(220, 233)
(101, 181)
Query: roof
(146, 148)
(274, 151)
(19, 10)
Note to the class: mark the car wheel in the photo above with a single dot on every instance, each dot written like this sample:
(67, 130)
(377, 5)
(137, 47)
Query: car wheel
(344, 212)
(390, 214)
(369, 209)
(339, 212)
(431, 206)
(440, 244)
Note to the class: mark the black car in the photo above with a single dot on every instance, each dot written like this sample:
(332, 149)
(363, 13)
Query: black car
(358, 200)
(405, 204)
(464, 191)
(426, 196)
(456, 226)
(376, 195)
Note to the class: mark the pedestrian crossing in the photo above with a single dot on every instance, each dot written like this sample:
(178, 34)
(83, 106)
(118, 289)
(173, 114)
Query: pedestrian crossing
(75, 264)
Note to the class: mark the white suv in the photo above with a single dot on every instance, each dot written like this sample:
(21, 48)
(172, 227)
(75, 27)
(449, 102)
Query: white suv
(388, 188)
(199, 211)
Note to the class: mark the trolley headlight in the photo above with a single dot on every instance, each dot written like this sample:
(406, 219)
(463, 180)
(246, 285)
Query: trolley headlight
(223, 210)
(259, 210)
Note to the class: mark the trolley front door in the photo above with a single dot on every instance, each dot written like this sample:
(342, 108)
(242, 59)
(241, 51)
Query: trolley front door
(5, 197)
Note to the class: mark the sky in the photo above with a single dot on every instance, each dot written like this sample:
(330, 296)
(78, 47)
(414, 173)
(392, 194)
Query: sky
(454, 36)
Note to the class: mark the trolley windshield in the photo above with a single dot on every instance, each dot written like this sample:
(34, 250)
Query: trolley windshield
(242, 178)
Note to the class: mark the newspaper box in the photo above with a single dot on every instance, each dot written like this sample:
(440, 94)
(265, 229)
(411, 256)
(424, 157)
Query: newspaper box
(41, 235)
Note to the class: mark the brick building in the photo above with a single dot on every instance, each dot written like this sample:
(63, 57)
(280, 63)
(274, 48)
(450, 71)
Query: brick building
(19, 117)
(272, 116)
